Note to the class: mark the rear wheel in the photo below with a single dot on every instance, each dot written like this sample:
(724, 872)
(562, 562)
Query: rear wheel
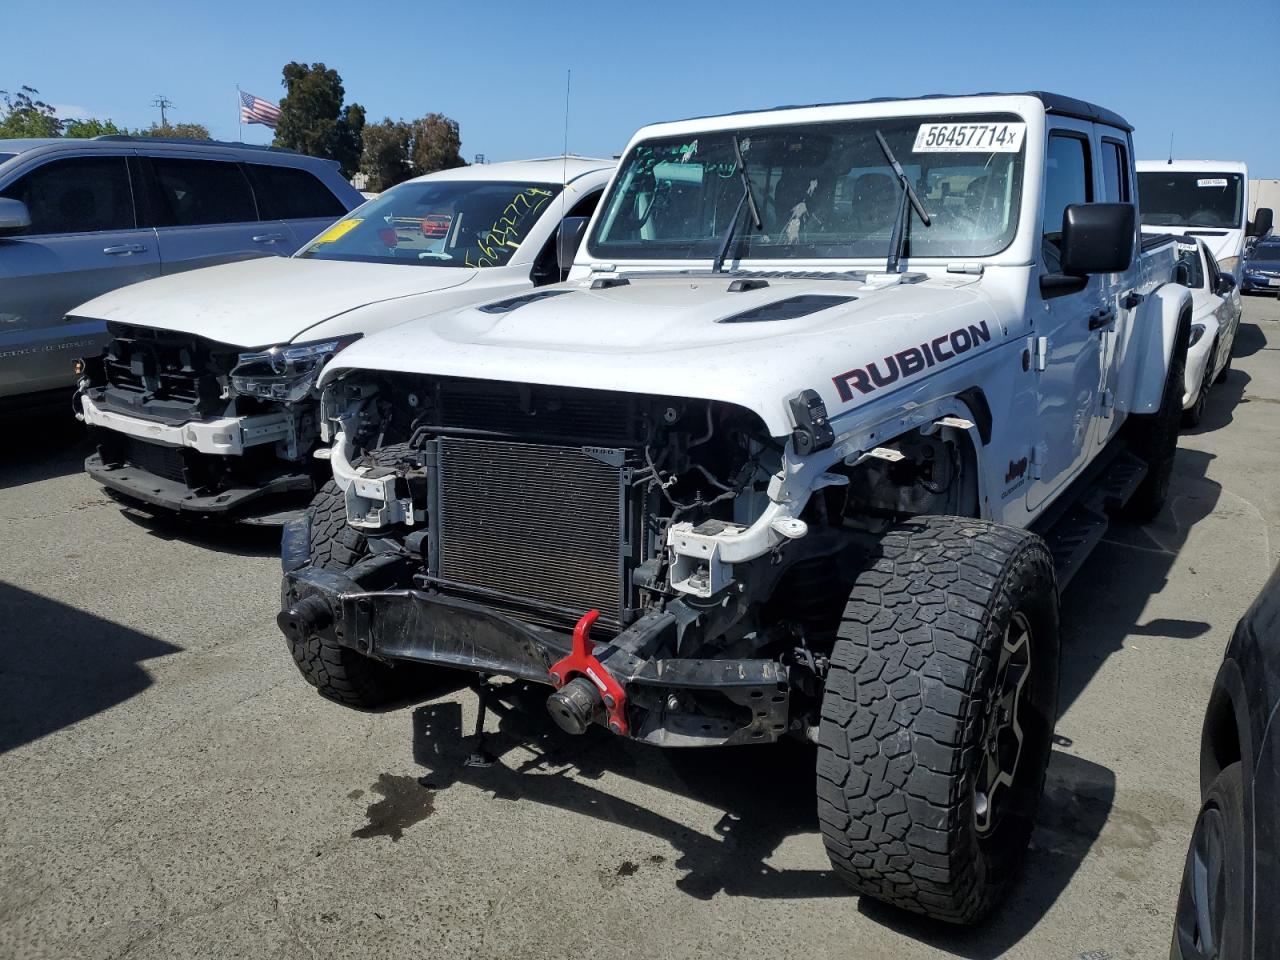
(1226, 369)
(938, 714)
(340, 673)
(1193, 414)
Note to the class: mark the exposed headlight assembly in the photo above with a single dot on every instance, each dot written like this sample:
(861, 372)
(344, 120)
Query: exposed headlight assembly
(286, 373)
(1197, 331)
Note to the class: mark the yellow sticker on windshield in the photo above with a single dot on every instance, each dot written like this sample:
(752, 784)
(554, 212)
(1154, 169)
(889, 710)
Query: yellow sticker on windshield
(339, 229)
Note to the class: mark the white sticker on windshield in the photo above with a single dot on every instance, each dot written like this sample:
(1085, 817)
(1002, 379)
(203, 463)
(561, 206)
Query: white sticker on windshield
(969, 137)
(1212, 182)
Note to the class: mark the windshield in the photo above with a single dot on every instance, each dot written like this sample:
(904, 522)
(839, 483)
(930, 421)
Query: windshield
(824, 191)
(1264, 250)
(6, 156)
(1171, 198)
(1189, 254)
(445, 223)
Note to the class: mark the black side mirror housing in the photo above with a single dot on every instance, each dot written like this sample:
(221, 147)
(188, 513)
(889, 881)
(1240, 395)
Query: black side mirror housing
(1226, 283)
(569, 239)
(1262, 222)
(1096, 238)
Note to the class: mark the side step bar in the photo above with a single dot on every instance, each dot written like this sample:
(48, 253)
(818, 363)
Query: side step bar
(1075, 532)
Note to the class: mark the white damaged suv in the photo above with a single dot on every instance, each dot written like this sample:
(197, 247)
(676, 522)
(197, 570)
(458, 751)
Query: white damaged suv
(833, 403)
(204, 401)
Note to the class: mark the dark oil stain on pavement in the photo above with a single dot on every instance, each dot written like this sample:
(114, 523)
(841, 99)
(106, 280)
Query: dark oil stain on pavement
(405, 802)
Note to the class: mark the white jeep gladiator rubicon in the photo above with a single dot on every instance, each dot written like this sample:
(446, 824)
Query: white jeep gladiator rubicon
(204, 401)
(832, 404)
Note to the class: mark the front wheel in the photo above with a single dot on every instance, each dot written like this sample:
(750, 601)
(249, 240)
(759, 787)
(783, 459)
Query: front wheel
(1213, 901)
(938, 715)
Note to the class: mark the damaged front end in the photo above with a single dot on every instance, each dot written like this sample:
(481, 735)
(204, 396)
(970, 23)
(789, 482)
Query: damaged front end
(637, 553)
(192, 425)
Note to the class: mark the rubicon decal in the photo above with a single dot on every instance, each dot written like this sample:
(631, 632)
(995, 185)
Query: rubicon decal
(904, 363)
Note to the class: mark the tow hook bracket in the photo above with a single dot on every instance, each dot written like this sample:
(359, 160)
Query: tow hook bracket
(581, 662)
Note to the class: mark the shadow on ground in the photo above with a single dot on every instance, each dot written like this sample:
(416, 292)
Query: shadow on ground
(41, 445)
(766, 795)
(60, 665)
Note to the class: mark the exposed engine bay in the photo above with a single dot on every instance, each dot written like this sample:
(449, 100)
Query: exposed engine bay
(538, 509)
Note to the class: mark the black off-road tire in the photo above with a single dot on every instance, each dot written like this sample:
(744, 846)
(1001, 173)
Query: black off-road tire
(1154, 436)
(340, 673)
(1214, 902)
(905, 715)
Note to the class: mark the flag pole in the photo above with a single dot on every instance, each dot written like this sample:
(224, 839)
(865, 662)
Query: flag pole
(239, 114)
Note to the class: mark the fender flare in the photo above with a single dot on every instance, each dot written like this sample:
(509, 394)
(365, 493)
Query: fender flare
(1167, 323)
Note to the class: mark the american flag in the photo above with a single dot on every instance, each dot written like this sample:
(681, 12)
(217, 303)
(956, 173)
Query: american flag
(256, 110)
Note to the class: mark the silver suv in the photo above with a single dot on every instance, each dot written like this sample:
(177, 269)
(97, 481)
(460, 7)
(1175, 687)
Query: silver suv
(81, 217)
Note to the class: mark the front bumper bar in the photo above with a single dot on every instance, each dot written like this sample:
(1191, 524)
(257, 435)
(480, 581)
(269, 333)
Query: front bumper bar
(671, 701)
(140, 484)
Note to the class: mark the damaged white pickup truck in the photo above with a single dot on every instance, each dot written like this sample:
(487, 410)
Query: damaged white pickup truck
(834, 401)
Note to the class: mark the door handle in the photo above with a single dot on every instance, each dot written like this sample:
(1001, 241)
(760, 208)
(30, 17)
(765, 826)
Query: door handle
(268, 238)
(124, 249)
(1101, 317)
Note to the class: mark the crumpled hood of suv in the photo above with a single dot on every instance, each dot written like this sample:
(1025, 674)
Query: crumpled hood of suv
(684, 337)
(258, 303)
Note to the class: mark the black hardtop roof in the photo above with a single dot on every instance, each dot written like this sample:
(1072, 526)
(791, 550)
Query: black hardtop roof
(1054, 103)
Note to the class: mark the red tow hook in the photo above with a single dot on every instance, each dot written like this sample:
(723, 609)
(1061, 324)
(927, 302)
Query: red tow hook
(581, 662)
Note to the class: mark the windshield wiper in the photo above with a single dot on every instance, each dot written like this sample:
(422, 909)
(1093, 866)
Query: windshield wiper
(898, 241)
(748, 200)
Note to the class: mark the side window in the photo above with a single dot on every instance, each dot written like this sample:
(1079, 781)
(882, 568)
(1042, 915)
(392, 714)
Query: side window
(287, 193)
(76, 195)
(1211, 271)
(1068, 179)
(1115, 172)
(195, 192)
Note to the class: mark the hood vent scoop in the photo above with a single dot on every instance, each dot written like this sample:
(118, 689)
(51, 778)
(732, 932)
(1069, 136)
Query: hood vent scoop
(514, 303)
(788, 309)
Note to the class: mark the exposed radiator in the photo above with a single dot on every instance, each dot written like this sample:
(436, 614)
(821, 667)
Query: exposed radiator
(544, 526)
(156, 458)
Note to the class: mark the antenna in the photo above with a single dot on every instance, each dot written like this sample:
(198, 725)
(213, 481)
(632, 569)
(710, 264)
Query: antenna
(1171, 148)
(164, 103)
(568, 76)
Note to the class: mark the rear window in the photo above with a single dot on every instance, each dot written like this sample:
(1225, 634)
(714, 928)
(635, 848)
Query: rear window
(195, 192)
(287, 193)
(76, 195)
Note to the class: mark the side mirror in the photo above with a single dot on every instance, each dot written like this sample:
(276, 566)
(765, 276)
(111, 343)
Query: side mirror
(14, 216)
(1261, 224)
(1226, 283)
(1097, 238)
(572, 230)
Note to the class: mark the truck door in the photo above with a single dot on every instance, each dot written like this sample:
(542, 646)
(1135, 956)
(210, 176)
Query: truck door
(1114, 323)
(1066, 353)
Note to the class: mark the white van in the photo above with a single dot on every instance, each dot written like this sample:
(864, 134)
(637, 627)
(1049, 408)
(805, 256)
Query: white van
(1208, 199)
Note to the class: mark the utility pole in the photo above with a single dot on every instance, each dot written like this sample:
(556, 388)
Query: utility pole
(164, 103)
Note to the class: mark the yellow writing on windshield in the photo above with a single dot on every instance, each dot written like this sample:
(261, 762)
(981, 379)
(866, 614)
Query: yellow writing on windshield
(508, 228)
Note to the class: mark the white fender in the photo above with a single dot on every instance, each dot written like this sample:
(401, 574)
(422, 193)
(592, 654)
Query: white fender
(1163, 312)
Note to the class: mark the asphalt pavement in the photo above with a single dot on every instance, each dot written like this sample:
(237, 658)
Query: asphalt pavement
(170, 787)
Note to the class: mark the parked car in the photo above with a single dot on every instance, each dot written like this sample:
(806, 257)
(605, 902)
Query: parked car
(1208, 199)
(204, 401)
(81, 217)
(1262, 267)
(1233, 860)
(831, 406)
(1215, 318)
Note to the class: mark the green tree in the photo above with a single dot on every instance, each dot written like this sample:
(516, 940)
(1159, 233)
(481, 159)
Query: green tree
(436, 144)
(25, 116)
(91, 127)
(385, 157)
(186, 131)
(313, 119)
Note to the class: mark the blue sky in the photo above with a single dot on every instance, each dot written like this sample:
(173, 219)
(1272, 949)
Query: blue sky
(498, 68)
